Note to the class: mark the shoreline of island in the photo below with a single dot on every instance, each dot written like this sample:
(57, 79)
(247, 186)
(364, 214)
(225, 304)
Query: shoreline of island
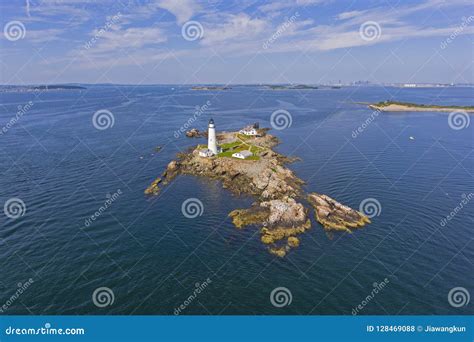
(395, 106)
(245, 163)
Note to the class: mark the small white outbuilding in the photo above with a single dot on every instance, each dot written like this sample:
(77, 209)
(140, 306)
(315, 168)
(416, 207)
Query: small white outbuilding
(248, 131)
(205, 152)
(242, 154)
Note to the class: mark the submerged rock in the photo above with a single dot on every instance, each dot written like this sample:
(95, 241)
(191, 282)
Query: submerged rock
(279, 251)
(153, 189)
(293, 241)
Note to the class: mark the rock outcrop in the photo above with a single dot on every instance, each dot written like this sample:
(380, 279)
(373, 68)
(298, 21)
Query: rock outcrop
(277, 211)
(334, 215)
(195, 133)
(153, 189)
(280, 221)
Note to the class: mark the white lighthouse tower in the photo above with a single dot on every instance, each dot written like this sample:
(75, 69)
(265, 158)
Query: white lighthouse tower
(211, 137)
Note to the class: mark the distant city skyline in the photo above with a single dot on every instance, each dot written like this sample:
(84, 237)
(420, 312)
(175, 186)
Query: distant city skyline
(232, 42)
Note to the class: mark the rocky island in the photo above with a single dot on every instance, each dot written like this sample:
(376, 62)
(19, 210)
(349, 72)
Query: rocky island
(246, 164)
(211, 88)
(395, 106)
(291, 87)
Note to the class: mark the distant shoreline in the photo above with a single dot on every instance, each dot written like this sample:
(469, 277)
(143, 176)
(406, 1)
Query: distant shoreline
(392, 106)
(42, 88)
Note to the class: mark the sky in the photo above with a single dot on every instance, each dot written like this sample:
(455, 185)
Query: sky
(235, 42)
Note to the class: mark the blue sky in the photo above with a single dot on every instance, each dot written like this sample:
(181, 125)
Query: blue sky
(226, 41)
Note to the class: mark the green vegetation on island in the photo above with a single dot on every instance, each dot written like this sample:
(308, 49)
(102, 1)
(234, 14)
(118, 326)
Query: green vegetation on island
(397, 106)
(32, 88)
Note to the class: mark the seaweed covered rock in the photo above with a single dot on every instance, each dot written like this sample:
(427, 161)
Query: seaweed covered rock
(245, 217)
(334, 215)
(274, 235)
(293, 241)
(153, 189)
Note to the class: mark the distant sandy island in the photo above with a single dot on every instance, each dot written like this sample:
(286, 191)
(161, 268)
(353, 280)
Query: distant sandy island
(389, 106)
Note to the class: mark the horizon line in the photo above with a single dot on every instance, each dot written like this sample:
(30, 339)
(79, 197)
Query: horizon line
(358, 82)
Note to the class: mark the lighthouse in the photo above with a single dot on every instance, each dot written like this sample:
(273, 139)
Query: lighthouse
(211, 137)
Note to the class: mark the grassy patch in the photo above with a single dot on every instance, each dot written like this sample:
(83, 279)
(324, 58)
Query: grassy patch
(231, 145)
(237, 146)
(255, 149)
(244, 137)
(226, 154)
(229, 154)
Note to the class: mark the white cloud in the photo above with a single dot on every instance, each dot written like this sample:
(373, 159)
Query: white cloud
(183, 10)
(228, 31)
(64, 12)
(133, 37)
(330, 38)
(235, 28)
(119, 46)
(349, 15)
(345, 34)
(121, 58)
(273, 6)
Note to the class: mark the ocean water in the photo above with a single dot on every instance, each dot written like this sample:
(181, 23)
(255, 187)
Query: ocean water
(152, 257)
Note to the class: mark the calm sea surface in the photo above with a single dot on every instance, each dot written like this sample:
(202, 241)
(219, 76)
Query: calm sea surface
(152, 257)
